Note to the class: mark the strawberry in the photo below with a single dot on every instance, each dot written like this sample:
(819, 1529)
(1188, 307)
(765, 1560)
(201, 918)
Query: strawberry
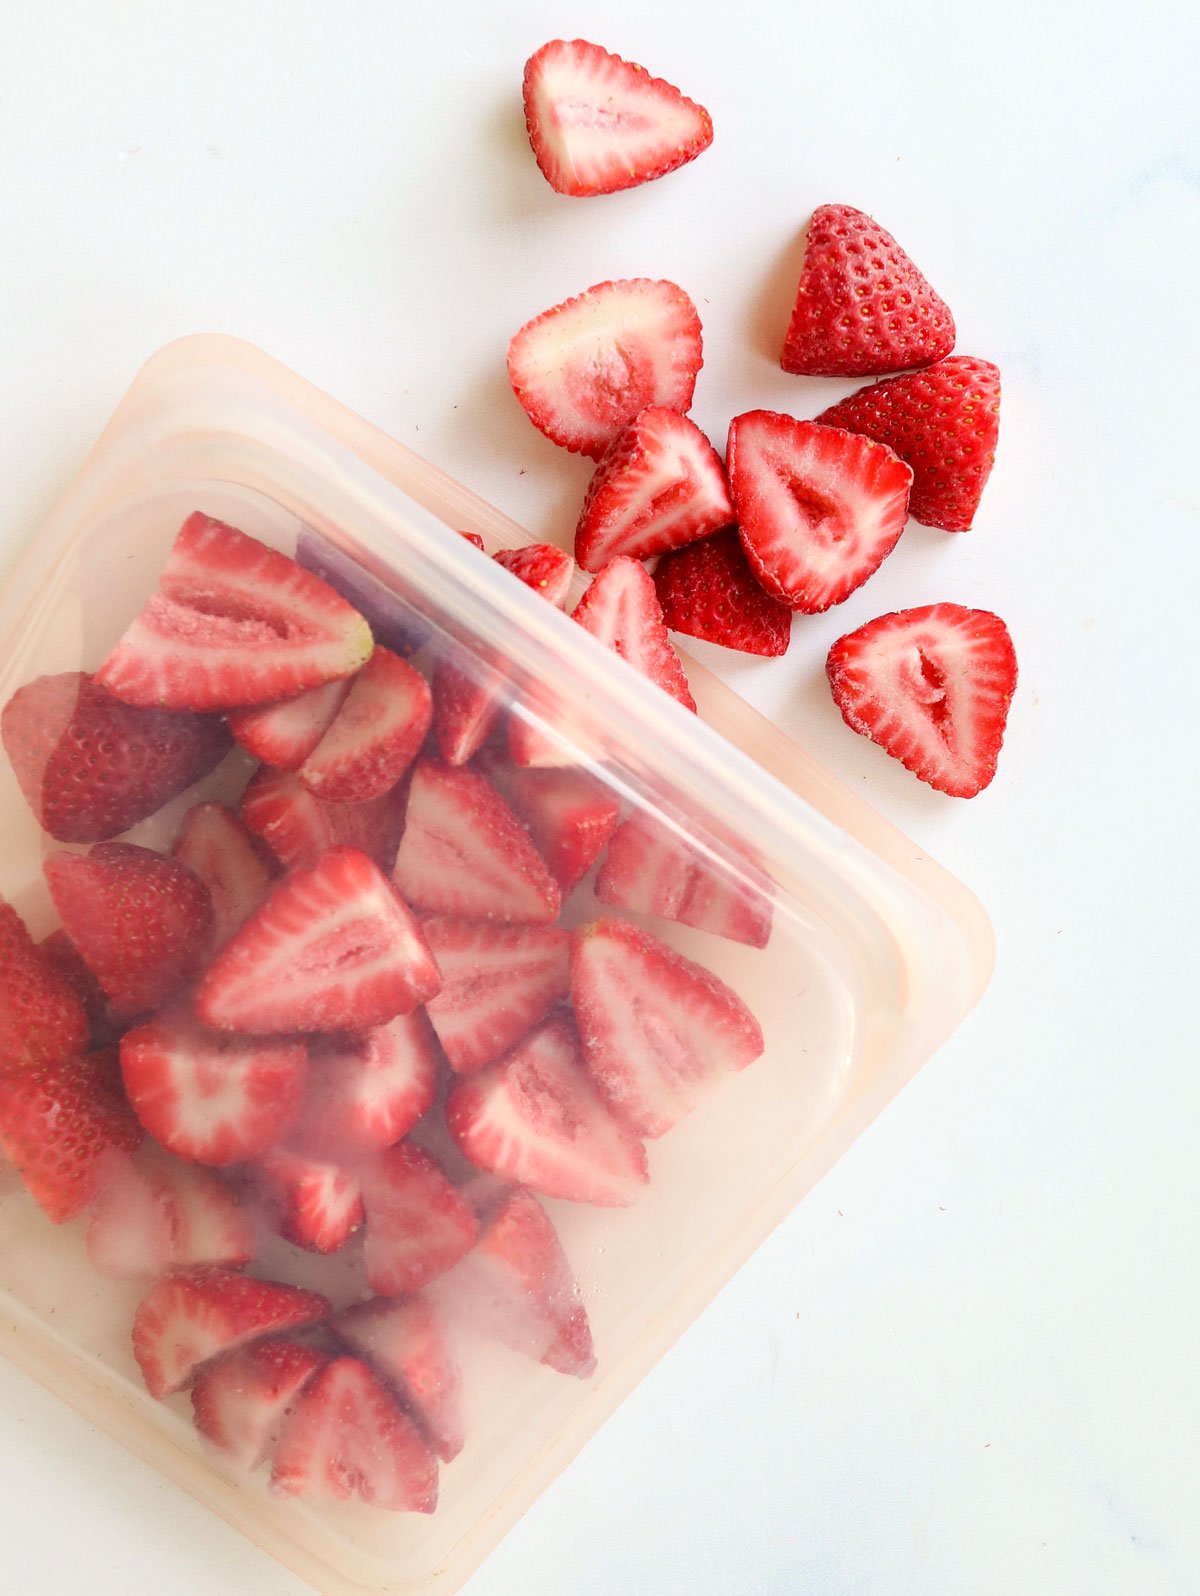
(405, 1344)
(375, 735)
(570, 815)
(42, 1020)
(657, 1029)
(818, 509)
(542, 567)
(104, 1028)
(708, 590)
(367, 1089)
(944, 423)
(298, 827)
(143, 923)
(393, 620)
(418, 1225)
(585, 368)
(659, 485)
(464, 852)
(862, 307)
(283, 735)
(156, 1212)
(242, 1401)
(348, 1437)
(208, 1097)
(474, 539)
(192, 1315)
(498, 981)
(537, 1119)
(90, 766)
(598, 123)
(932, 687)
(230, 861)
(319, 1205)
(331, 948)
(60, 1124)
(620, 610)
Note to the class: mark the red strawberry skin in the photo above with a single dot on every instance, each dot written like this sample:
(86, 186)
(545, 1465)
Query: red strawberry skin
(621, 610)
(708, 590)
(234, 866)
(104, 1027)
(42, 1020)
(320, 1206)
(418, 1225)
(298, 827)
(90, 766)
(405, 1344)
(242, 1401)
(862, 308)
(375, 735)
(542, 567)
(367, 1089)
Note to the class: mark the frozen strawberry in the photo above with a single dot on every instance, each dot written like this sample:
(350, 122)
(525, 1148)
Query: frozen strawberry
(367, 1089)
(536, 1118)
(819, 510)
(541, 566)
(862, 307)
(404, 1343)
(242, 1401)
(649, 869)
(104, 1027)
(42, 1019)
(570, 815)
(395, 623)
(233, 623)
(348, 1437)
(418, 1226)
(319, 1204)
(584, 369)
(498, 981)
(60, 1124)
(708, 590)
(474, 539)
(598, 123)
(465, 853)
(90, 766)
(230, 861)
(283, 735)
(944, 423)
(932, 687)
(621, 610)
(155, 1212)
(210, 1097)
(658, 1030)
(375, 735)
(192, 1315)
(330, 949)
(143, 923)
(298, 827)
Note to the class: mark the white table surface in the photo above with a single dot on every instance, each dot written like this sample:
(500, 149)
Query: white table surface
(968, 1364)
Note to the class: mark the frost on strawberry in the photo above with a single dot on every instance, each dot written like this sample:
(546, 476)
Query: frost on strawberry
(297, 827)
(367, 1089)
(418, 1224)
(241, 1402)
(405, 1343)
(155, 1212)
(220, 849)
(498, 981)
(621, 610)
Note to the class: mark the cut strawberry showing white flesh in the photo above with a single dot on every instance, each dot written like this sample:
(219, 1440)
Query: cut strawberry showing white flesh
(585, 368)
(283, 735)
(298, 827)
(367, 1089)
(155, 1212)
(418, 1225)
(818, 509)
(658, 1030)
(375, 735)
(230, 861)
(233, 623)
(405, 1344)
(319, 1205)
(498, 981)
(621, 610)
(932, 687)
(241, 1402)
(541, 566)
(570, 815)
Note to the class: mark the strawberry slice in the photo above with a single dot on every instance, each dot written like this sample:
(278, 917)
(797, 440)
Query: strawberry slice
(42, 1020)
(537, 1119)
(230, 861)
(192, 1315)
(375, 736)
(319, 1205)
(332, 948)
(585, 368)
(932, 687)
(143, 923)
(367, 1089)
(242, 1401)
(621, 610)
(498, 981)
(60, 1124)
(944, 423)
(570, 815)
(298, 827)
(862, 307)
(104, 1027)
(465, 853)
(649, 869)
(657, 1029)
(418, 1225)
(708, 590)
(819, 509)
(283, 735)
(155, 1212)
(211, 1098)
(348, 1437)
(598, 123)
(90, 766)
(405, 1345)
(659, 485)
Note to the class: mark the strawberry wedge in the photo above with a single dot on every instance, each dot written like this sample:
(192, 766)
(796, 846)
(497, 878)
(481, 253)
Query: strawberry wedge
(418, 1225)
(241, 1402)
(375, 735)
(367, 1089)
(155, 1212)
(498, 981)
(570, 815)
(708, 590)
(283, 735)
(217, 846)
(318, 1205)
(298, 827)
(405, 1344)
(621, 610)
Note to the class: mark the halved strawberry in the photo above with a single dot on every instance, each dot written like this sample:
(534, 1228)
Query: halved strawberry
(90, 766)
(192, 1315)
(584, 369)
(932, 687)
(657, 1029)
(283, 735)
(298, 827)
(944, 423)
(570, 815)
(209, 1097)
(242, 1401)
(862, 308)
(319, 1205)
(42, 1020)
(536, 1118)
(104, 1027)
(405, 1344)
(418, 1226)
(818, 509)
(541, 566)
(465, 853)
(143, 923)
(230, 861)
(155, 1212)
(348, 1437)
(367, 1089)
(498, 981)
(233, 623)
(332, 948)
(375, 735)
(708, 590)
(598, 123)
(621, 610)
(659, 485)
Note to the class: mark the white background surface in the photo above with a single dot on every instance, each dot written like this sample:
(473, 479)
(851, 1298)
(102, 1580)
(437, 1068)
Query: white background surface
(969, 1363)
